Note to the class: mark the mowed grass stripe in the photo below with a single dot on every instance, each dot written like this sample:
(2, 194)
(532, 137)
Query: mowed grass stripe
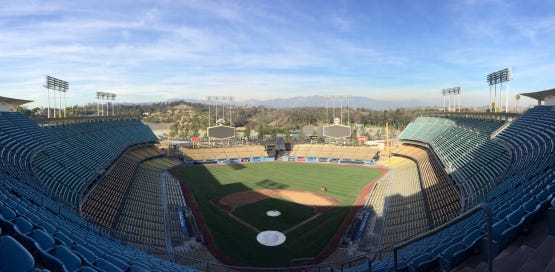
(238, 242)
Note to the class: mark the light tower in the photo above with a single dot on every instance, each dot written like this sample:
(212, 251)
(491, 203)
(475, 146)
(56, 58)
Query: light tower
(57, 85)
(499, 77)
(100, 107)
(454, 92)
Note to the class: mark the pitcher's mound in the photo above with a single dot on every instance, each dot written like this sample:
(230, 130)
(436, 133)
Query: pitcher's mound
(270, 238)
(273, 213)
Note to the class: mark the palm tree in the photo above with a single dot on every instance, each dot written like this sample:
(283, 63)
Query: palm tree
(517, 97)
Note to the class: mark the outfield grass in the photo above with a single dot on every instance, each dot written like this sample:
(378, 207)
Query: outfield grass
(239, 242)
(291, 214)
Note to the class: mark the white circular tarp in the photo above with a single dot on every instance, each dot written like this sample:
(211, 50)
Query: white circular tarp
(270, 238)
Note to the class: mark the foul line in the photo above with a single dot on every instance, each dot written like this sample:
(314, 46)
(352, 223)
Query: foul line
(302, 223)
(244, 223)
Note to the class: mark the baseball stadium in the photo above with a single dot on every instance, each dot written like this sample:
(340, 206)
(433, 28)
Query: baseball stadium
(454, 191)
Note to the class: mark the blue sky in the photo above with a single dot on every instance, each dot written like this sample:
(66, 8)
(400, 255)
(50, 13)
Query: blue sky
(156, 50)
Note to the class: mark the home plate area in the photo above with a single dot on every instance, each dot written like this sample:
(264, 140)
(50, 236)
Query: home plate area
(272, 213)
(270, 238)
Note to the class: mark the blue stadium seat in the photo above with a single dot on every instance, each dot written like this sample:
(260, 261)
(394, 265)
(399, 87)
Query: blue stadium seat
(107, 266)
(458, 252)
(44, 240)
(7, 213)
(66, 256)
(85, 254)
(22, 224)
(14, 257)
(62, 238)
(117, 261)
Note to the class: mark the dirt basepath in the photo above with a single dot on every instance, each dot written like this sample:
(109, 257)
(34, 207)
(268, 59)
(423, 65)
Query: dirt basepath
(320, 202)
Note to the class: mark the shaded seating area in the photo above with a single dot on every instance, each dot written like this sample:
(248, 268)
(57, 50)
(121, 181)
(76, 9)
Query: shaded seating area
(102, 204)
(406, 215)
(441, 193)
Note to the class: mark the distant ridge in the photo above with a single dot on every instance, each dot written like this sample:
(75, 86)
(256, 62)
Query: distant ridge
(319, 101)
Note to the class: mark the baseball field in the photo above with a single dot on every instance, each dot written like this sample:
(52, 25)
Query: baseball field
(313, 201)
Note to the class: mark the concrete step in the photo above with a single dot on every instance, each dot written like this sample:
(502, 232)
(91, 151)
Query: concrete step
(544, 253)
(550, 266)
(514, 261)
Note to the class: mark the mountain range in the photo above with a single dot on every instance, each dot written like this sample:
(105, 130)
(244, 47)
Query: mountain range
(323, 101)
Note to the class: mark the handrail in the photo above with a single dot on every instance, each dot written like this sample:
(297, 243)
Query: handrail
(457, 219)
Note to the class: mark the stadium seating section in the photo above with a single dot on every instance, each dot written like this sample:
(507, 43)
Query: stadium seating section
(19, 137)
(406, 215)
(473, 160)
(232, 152)
(83, 152)
(37, 232)
(525, 189)
(440, 192)
(362, 153)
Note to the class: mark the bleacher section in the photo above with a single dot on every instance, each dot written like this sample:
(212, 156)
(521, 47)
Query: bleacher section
(441, 193)
(524, 192)
(232, 152)
(84, 151)
(473, 160)
(371, 238)
(406, 215)
(362, 153)
(142, 214)
(103, 203)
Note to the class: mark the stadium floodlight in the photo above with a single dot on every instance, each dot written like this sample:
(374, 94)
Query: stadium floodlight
(105, 96)
(220, 130)
(456, 93)
(56, 85)
(331, 99)
(499, 77)
(215, 102)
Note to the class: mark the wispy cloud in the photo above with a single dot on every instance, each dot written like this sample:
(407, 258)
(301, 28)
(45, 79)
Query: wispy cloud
(157, 50)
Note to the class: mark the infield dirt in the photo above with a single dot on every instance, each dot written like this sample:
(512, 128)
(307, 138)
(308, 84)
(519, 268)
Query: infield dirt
(320, 202)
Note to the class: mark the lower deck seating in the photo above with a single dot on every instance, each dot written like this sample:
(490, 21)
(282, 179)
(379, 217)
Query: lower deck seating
(105, 200)
(441, 193)
(406, 214)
